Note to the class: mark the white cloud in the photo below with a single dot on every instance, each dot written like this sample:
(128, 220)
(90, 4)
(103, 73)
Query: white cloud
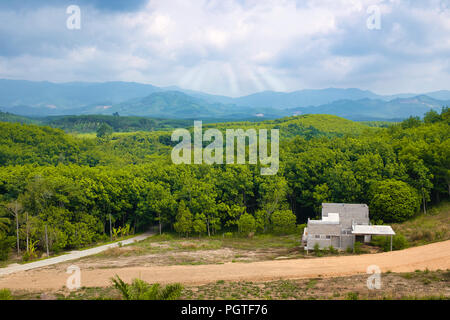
(235, 47)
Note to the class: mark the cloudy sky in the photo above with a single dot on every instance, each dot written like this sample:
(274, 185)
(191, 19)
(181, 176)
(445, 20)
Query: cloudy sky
(232, 47)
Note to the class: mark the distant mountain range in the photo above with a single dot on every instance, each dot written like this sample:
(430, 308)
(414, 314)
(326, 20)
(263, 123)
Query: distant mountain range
(128, 98)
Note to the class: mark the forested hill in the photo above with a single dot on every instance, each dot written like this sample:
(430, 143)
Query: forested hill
(73, 185)
(35, 144)
(91, 123)
(20, 144)
(307, 126)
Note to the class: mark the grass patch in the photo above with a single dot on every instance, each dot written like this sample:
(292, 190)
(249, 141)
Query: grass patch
(429, 228)
(172, 242)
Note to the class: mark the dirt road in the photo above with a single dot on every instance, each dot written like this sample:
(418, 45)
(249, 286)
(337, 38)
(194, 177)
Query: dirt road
(433, 256)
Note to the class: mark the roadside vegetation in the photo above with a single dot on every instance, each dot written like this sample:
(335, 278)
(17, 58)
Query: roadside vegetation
(418, 285)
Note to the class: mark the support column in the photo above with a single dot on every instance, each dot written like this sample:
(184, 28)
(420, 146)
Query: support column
(391, 242)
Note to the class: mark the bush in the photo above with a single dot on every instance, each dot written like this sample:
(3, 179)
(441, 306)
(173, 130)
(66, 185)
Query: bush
(317, 250)
(5, 294)
(283, 221)
(352, 296)
(357, 247)
(247, 223)
(399, 242)
(332, 250)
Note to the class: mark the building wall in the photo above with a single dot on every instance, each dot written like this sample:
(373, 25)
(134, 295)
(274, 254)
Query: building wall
(340, 234)
(358, 213)
(323, 243)
(322, 228)
(347, 241)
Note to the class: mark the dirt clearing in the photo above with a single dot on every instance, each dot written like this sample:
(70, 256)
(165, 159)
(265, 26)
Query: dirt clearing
(432, 257)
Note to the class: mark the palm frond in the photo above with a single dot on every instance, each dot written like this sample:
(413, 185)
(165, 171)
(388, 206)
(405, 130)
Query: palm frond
(141, 290)
(120, 285)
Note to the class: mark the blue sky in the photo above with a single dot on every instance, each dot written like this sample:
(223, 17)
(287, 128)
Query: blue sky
(231, 47)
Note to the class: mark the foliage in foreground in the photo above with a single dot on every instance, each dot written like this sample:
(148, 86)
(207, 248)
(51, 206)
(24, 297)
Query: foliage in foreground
(141, 290)
(5, 294)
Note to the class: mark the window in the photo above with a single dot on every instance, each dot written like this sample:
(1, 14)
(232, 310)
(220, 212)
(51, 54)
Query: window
(328, 237)
(317, 236)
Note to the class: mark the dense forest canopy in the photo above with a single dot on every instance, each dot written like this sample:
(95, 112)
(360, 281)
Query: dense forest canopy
(73, 185)
(91, 123)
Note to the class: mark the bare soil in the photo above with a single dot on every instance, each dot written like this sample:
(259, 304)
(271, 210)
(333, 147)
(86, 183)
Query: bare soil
(94, 273)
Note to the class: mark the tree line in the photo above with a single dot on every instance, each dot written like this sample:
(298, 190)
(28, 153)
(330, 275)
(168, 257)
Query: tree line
(65, 194)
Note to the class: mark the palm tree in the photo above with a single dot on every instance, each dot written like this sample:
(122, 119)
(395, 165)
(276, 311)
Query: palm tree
(141, 290)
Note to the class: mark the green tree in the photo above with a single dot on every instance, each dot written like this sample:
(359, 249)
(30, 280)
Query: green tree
(321, 194)
(393, 201)
(4, 222)
(104, 131)
(160, 201)
(6, 243)
(283, 221)
(432, 117)
(272, 195)
(247, 223)
(199, 224)
(184, 223)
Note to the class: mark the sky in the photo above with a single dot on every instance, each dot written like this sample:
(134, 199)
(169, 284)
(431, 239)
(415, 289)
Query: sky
(231, 47)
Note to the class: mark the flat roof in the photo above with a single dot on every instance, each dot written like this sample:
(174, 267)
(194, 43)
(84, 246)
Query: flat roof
(333, 218)
(344, 204)
(373, 230)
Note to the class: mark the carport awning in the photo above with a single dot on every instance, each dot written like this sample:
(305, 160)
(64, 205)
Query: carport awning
(373, 230)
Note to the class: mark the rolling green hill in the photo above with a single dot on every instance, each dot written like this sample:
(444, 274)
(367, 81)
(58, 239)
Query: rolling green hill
(307, 126)
(22, 143)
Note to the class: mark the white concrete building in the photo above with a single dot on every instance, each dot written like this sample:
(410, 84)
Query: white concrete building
(341, 225)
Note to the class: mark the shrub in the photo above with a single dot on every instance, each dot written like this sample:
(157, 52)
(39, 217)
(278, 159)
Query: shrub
(399, 242)
(332, 250)
(352, 296)
(357, 247)
(5, 294)
(317, 250)
(247, 223)
(283, 221)
(141, 290)
(228, 235)
(31, 253)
